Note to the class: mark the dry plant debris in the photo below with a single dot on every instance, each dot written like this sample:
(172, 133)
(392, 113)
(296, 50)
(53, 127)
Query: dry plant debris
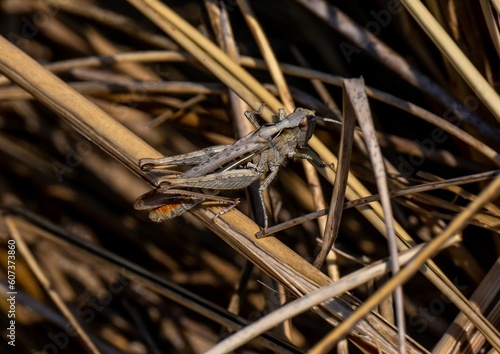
(404, 260)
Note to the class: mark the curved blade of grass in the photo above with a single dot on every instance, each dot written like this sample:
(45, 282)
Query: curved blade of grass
(338, 193)
(358, 101)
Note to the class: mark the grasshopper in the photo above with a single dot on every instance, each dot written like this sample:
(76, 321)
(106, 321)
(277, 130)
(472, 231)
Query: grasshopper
(229, 167)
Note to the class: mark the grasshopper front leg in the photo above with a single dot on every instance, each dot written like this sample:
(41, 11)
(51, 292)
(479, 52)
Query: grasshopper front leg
(308, 154)
(267, 181)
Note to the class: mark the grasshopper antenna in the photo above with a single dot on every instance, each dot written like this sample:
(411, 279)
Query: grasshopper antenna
(325, 119)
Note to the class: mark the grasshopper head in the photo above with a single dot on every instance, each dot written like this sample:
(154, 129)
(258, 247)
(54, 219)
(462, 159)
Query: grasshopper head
(306, 126)
(307, 123)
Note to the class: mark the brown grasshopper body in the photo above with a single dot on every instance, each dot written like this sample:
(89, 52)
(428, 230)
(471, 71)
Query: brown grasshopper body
(175, 206)
(229, 167)
(166, 206)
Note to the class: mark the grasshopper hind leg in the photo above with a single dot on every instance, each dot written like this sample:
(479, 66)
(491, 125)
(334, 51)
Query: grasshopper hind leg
(251, 116)
(230, 207)
(274, 171)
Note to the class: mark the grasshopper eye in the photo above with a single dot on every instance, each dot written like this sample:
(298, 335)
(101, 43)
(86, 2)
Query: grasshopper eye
(303, 124)
(308, 126)
(307, 122)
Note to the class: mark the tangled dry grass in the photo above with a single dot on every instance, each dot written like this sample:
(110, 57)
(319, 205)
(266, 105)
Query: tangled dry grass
(90, 87)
